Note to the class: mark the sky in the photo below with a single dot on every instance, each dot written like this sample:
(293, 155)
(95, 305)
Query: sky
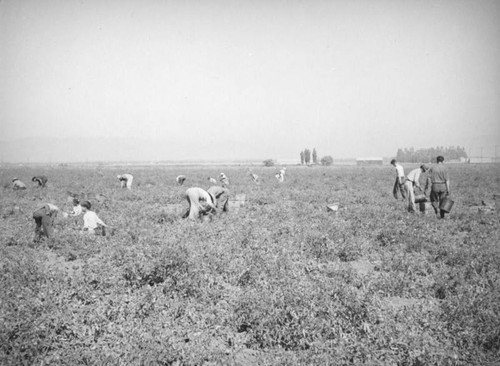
(132, 80)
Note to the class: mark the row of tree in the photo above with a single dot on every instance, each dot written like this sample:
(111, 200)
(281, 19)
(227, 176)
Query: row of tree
(305, 158)
(427, 155)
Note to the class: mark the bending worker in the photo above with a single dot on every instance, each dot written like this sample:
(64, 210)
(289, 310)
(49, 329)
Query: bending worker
(17, 184)
(200, 202)
(125, 180)
(412, 182)
(41, 180)
(221, 198)
(439, 183)
(44, 220)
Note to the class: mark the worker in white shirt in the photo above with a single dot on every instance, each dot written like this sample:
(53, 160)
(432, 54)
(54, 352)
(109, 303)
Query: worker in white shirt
(255, 177)
(412, 182)
(224, 180)
(44, 220)
(125, 180)
(17, 184)
(91, 222)
(200, 203)
(280, 176)
(399, 184)
(180, 179)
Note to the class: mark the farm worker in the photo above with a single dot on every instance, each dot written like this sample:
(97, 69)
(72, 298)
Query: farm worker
(180, 179)
(224, 180)
(17, 184)
(439, 184)
(200, 203)
(77, 208)
(212, 180)
(91, 221)
(412, 182)
(221, 197)
(44, 219)
(125, 180)
(255, 177)
(400, 180)
(41, 180)
(281, 175)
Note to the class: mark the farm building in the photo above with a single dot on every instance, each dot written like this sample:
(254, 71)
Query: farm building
(369, 161)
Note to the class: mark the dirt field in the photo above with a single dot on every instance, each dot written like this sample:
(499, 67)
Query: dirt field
(279, 280)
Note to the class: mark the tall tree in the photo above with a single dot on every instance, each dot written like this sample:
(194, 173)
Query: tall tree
(315, 156)
(307, 156)
(301, 158)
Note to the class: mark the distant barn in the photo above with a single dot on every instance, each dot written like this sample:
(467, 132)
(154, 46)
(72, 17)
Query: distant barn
(369, 161)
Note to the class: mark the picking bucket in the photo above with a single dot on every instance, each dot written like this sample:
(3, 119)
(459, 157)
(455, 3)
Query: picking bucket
(420, 198)
(446, 204)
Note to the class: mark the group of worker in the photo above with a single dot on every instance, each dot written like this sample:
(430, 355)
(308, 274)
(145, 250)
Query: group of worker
(206, 203)
(438, 182)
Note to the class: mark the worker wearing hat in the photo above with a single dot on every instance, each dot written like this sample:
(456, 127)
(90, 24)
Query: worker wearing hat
(412, 182)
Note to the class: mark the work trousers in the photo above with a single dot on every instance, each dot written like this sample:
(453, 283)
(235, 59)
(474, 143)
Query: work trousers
(438, 192)
(410, 191)
(399, 186)
(44, 223)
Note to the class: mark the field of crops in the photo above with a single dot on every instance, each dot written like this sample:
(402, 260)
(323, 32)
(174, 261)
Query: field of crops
(279, 281)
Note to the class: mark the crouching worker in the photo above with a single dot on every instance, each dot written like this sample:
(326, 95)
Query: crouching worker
(125, 180)
(17, 184)
(44, 219)
(40, 180)
(221, 196)
(92, 224)
(200, 202)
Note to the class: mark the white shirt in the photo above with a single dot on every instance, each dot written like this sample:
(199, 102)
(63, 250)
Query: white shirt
(90, 220)
(77, 211)
(400, 171)
(414, 176)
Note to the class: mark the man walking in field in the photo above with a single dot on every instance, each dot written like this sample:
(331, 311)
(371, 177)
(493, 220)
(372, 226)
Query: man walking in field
(125, 180)
(41, 180)
(200, 203)
(44, 219)
(412, 182)
(400, 180)
(439, 183)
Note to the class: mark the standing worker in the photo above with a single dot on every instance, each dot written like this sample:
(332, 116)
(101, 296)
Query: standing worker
(412, 182)
(41, 180)
(44, 219)
(399, 184)
(125, 180)
(439, 184)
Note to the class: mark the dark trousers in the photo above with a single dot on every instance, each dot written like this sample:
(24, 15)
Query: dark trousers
(399, 186)
(438, 193)
(44, 224)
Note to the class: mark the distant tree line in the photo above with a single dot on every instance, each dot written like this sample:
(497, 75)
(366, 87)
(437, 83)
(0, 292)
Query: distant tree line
(305, 158)
(427, 155)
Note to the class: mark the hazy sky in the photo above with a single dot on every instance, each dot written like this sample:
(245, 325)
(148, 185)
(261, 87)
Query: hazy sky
(229, 79)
